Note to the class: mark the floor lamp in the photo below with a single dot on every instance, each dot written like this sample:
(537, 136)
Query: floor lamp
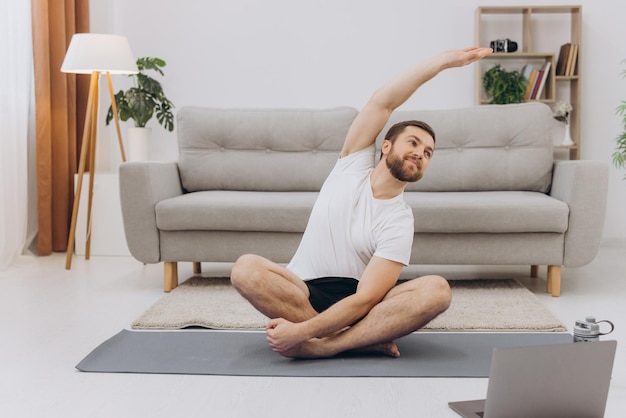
(95, 54)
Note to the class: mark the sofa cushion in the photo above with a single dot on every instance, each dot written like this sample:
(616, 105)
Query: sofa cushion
(491, 147)
(223, 210)
(460, 212)
(259, 150)
(487, 212)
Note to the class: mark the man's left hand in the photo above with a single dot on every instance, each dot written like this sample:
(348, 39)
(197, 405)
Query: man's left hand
(283, 335)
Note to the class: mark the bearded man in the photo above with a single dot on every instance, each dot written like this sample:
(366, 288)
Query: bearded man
(339, 292)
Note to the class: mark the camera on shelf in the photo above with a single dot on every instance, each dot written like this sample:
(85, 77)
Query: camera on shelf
(503, 45)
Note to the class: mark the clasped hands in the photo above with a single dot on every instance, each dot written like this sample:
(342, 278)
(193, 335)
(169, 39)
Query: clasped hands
(283, 335)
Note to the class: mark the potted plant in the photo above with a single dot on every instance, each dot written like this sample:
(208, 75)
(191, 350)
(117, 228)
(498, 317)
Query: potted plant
(141, 102)
(619, 156)
(502, 86)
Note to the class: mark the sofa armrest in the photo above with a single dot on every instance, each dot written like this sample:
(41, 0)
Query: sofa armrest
(142, 186)
(583, 185)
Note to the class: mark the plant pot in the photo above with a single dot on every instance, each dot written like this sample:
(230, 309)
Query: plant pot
(138, 139)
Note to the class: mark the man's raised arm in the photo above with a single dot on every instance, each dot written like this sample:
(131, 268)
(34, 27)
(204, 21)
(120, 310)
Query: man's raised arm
(375, 114)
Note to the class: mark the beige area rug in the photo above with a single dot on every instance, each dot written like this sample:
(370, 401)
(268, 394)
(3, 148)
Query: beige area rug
(501, 305)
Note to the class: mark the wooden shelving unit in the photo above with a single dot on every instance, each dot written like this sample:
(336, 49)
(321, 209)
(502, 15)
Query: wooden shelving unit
(539, 32)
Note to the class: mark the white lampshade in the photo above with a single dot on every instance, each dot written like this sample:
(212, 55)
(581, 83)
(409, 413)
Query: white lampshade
(89, 52)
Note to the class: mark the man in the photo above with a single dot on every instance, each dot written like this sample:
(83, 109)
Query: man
(339, 291)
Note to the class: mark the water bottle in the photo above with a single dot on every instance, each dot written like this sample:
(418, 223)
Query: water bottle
(589, 329)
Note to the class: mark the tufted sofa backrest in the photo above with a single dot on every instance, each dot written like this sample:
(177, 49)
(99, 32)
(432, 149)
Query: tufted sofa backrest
(485, 148)
(259, 149)
(492, 147)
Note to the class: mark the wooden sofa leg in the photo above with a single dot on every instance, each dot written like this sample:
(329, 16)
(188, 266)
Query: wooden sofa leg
(197, 267)
(171, 276)
(553, 285)
(534, 271)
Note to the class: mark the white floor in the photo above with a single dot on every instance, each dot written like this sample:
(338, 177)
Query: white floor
(51, 318)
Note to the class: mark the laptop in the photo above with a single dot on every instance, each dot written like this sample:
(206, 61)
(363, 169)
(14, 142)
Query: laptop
(554, 380)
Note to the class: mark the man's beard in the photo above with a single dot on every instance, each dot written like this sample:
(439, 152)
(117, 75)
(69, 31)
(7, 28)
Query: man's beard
(397, 168)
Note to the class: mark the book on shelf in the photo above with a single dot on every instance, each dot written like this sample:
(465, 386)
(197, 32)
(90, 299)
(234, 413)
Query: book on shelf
(571, 62)
(533, 94)
(568, 58)
(526, 70)
(544, 74)
(531, 83)
(575, 64)
(561, 63)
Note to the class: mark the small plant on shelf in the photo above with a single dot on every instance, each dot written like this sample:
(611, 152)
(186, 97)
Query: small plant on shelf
(561, 111)
(504, 87)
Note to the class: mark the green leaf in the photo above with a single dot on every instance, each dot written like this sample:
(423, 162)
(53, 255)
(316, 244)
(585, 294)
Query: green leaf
(148, 63)
(141, 106)
(165, 116)
(149, 85)
(122, 107)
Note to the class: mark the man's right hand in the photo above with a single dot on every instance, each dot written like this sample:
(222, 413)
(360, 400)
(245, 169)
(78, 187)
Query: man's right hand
(462, 57)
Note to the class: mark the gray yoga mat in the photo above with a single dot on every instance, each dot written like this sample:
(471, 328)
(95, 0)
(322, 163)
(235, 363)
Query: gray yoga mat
(246, 353)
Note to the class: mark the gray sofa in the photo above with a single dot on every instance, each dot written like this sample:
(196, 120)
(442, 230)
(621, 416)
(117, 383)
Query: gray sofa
(246, 180)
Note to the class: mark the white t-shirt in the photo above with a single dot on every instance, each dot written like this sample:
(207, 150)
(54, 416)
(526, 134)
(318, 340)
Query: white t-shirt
(348, 226)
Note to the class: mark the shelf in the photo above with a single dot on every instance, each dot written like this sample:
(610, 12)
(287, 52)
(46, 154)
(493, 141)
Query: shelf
(540, 38)
(566, 78)
(520, 55)
(491, 10)
(546, 101)
(486, 10)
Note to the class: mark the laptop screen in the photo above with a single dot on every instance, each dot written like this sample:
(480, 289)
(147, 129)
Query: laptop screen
(555, 380)
(550, 380)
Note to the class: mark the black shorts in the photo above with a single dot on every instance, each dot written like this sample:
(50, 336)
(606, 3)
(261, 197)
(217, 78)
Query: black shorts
(326, 291)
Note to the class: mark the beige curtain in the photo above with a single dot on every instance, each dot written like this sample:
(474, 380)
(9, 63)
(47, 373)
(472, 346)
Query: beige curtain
(61, 101)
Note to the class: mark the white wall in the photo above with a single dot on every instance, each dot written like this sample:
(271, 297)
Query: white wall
(324, 53)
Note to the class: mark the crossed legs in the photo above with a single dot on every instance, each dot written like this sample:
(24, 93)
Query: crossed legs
(272, 289)
(278, 293)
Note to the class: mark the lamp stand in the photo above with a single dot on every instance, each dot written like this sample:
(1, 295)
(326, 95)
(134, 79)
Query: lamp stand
(88, 150)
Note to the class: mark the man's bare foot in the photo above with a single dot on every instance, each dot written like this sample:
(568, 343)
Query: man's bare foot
(389, 349)
(319, 348)
(313, 348)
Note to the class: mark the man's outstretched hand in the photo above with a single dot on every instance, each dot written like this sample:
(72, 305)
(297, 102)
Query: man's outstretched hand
(462, 57)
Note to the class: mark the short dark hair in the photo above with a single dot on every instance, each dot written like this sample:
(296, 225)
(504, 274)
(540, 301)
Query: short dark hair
(393, 132)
